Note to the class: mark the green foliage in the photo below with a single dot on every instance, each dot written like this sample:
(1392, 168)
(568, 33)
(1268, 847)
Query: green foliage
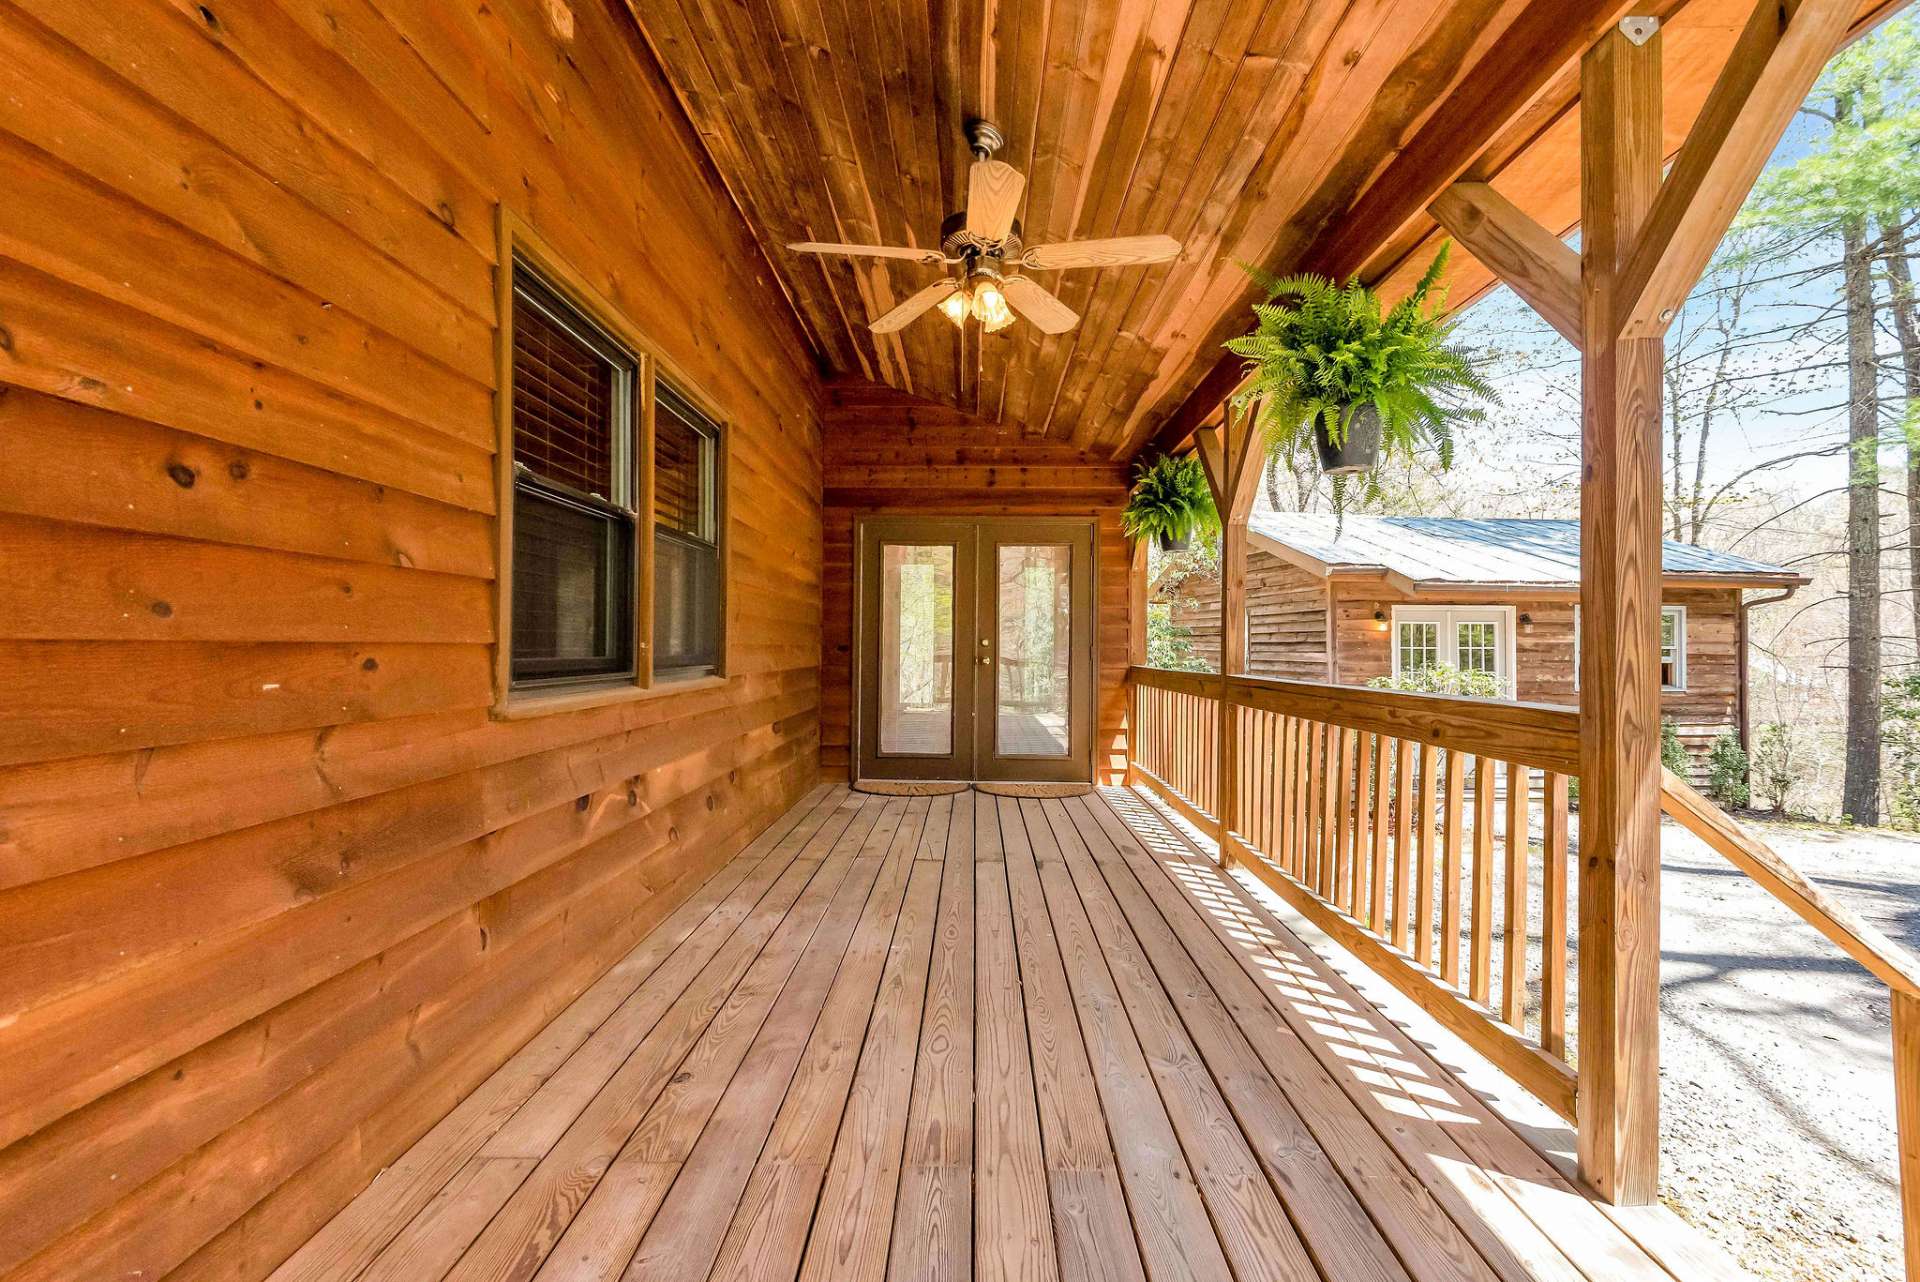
(1727, 772)
(1170, 499)
(1864, 167)
(1673, 754)
(1169, 645)
(1441, 678)
(1321, 350)
(1900, 724)
(1779, 760)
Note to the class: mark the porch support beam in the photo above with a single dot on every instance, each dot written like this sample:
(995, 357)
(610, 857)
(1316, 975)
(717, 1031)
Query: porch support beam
(1781, 51)
(1619, 1079)
(1230, 454)
(1536, 264)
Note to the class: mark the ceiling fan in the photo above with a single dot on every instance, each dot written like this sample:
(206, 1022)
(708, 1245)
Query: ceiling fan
(984, 242)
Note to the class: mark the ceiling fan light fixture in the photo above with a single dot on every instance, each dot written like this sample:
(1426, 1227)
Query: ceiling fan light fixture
(955, 307)
(990, 306)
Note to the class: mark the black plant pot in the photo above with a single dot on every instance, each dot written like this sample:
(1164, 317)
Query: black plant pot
(1359, 452)
(1168, 543)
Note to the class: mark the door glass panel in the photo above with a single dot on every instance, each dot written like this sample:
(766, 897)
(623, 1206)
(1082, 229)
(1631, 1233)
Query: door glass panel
(916, 649)
(1033, 692)
(1479, 648)
(1419, 646)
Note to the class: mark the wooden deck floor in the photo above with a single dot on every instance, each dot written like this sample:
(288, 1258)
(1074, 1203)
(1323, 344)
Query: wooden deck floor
(979, 1037)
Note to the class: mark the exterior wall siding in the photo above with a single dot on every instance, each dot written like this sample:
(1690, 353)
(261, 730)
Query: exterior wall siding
(1284, 604)
(276, 890)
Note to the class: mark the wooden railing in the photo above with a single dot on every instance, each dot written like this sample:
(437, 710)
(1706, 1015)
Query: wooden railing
(1893, 965)
(1414, 829)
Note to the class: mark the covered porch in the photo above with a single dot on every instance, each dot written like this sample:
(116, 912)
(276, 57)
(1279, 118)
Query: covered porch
(431, 498)
(973, 1036)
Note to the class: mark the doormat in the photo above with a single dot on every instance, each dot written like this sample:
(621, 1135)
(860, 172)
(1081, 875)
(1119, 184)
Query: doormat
(1035, 789)
(907, 787)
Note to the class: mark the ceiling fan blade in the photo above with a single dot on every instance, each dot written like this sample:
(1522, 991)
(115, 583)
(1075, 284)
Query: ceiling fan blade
(868, 251)
(908, 311)
(993, 194)
(1117, 251)
(1048, 314)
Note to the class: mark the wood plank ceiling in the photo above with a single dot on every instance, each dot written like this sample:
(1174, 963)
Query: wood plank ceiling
(1245, 130)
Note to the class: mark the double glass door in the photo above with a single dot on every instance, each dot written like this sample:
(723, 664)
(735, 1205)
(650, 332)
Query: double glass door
(974, 649)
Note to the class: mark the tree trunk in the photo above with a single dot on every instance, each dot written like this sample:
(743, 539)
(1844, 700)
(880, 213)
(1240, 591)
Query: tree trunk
(1861, 792)
(1906, 324)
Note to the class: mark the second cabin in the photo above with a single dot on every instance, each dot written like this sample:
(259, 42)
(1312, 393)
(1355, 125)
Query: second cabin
(1370, 597)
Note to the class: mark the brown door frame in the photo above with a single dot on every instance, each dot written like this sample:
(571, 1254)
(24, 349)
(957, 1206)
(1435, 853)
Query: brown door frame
(975, 540)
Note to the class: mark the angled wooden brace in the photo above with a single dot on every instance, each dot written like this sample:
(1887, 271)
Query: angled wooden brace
(1781, 52)
(1541, 268)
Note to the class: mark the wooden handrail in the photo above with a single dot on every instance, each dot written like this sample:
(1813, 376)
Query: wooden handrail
(1542, 735)
(1855, 936)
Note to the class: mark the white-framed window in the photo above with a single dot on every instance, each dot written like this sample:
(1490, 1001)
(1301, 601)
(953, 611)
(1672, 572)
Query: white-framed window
(1472, 638)
(1673, 647)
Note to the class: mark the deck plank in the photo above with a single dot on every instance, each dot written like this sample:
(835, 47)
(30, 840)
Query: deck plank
(933, 1217)
(1404, 1074)
(1253, 1227)
(684, 1240)
(513, 1238)
(972, 1037)
(853, 1225)
(1012, 1214)
(768, 1230)
(1072, 1127)
(348, 1242)
(1176, 1242)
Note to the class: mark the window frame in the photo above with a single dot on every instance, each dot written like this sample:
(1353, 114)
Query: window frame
(714, 488)
(520, 243)
(1679, 612)
(1449, 617)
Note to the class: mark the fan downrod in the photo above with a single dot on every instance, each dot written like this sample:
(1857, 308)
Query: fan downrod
(984, 138)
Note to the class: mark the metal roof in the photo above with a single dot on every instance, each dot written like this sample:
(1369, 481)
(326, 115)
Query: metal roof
(1438, 549)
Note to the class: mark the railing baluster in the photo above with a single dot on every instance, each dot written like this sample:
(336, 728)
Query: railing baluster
(1454, 829)
(1362, 795)
(1513, 978)
(1423, 879)
(1340, 891)
(1402, 838)
(1906, 1113)
(1302, 796)
(1553, 927)
(1353, 806)
(1382, 770)
(1480, 966)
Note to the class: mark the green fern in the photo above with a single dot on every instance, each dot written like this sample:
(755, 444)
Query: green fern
(1170, 500)
(1320, 351)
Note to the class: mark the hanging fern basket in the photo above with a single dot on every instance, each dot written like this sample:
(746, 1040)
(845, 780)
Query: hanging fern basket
(1175, 543)
(1358, 452)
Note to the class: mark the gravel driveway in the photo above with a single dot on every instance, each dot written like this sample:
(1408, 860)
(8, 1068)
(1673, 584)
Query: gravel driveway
(1776, 1064)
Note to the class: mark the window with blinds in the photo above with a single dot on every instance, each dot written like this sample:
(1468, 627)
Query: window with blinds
(574, 420)
(688, 603)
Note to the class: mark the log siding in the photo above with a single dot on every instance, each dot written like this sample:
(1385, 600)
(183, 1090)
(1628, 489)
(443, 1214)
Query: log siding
(276, 891)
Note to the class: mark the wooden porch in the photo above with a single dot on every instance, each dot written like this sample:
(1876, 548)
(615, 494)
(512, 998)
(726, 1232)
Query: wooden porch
(973, 1036)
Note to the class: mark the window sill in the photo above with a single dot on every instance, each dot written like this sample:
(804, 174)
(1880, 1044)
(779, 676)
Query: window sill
(526, 704)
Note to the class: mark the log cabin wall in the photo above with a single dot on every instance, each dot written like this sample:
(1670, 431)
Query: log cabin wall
(1289, 637)
(891, 452)
(275, 890)
(1286, 619)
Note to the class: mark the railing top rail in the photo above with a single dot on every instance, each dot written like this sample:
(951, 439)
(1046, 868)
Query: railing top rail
(1854, 935)
(1545, 736)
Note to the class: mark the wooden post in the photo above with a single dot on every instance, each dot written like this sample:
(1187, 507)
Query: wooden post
(1906, 1102)
(1229, 453)
(1619, 1084)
